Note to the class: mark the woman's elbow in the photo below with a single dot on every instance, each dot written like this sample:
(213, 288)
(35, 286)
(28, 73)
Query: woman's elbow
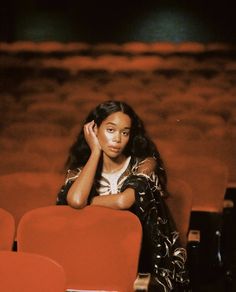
(76, 202)
(125, 202)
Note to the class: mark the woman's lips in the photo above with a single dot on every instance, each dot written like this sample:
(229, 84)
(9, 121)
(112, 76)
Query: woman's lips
(114, 149)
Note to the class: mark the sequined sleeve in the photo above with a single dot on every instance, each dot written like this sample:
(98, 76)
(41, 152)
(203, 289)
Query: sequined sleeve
(71, 176)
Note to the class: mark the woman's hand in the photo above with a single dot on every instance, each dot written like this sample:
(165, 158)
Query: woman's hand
(91, 137)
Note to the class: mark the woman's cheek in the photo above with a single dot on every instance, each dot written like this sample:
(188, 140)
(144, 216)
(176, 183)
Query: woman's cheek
(104, 138)
(108, 137)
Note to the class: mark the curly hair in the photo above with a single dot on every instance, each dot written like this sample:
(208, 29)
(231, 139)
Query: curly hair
(139, 145)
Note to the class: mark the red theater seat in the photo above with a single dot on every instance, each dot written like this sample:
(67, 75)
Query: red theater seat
(98, 247)
(24, 191)
(30, 272)
(7, 230)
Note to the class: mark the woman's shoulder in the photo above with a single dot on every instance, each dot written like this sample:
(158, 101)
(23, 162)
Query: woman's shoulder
(149, 160)
(144, 165)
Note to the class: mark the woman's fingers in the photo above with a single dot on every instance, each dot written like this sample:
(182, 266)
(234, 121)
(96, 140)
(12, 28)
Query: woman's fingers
(88, 127)
(90, 135)
(91, 127)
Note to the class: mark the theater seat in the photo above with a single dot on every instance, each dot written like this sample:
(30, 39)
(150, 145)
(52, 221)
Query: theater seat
(25, 272)
(208, 179)
(7, 230)
(24, 191)
(98, 247)
(180, 205)
(179, 202)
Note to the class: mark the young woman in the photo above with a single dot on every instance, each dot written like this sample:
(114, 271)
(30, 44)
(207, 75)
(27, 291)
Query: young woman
(113, 163)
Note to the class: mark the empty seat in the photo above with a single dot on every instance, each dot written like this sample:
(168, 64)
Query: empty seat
(7, 230)
(222, 105)
(24, 191)
(208, 180)
(180, 103)
(203, 122)
(48, 146)
(207, 177)
(18, 161)
(30, 272)
(98, 247)
(180, 205)
(174, 131)
(55, 113)
(23, 131)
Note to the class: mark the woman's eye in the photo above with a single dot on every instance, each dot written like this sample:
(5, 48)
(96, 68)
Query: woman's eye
(126, 133)
(110, 130)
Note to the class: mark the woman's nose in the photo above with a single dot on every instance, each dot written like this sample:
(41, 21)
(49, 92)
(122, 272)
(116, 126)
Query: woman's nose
(117, 137)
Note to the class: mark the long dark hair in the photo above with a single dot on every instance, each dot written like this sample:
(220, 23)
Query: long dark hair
(139, 145)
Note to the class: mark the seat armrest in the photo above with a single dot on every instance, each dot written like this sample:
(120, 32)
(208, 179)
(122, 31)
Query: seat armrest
(142, 282)
(194, 236)
(228, 204)
(193, 249)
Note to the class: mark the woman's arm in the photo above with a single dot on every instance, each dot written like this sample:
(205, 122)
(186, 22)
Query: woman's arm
(125, 199)
(78, 194)
(119, 201)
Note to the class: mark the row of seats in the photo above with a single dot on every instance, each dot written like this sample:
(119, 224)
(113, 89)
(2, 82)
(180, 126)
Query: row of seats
(66, 124)
(200, 188)
(180, 103)
(48, 153)
(21, 191)
(38, 113)
(39, 230)
(197, 124)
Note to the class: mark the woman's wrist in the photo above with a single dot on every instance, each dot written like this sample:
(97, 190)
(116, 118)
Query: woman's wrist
(96, 152)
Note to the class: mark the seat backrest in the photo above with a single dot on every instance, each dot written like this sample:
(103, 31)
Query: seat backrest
(7, 230)
(23, 191)
(30, 272)
(207, 177)
(180, 206)
(98, 247)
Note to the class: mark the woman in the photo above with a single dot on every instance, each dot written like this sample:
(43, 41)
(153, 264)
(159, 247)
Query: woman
(114, 164)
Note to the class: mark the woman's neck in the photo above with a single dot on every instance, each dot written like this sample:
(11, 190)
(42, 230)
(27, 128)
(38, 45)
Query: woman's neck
(113, 165)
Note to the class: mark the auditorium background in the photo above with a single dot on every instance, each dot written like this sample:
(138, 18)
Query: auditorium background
(173, 61)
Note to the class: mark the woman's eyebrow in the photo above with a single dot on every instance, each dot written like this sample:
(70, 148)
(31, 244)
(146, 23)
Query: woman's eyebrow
(114, 124)
(110, 123)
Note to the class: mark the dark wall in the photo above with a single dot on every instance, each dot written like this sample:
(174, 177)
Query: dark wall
(117, 21)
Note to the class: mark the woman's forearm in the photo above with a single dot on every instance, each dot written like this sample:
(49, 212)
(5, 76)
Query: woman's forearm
(78, 194)
(119, 201)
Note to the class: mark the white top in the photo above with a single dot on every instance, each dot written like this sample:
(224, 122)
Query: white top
(109, 181)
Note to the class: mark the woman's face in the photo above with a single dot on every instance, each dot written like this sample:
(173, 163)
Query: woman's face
(113, 134)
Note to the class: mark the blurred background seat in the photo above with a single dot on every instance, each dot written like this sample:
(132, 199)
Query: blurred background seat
(180, 205)
(208, 179)
(7, 230)
(22, 131)
(24, 191)
(180, 202)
